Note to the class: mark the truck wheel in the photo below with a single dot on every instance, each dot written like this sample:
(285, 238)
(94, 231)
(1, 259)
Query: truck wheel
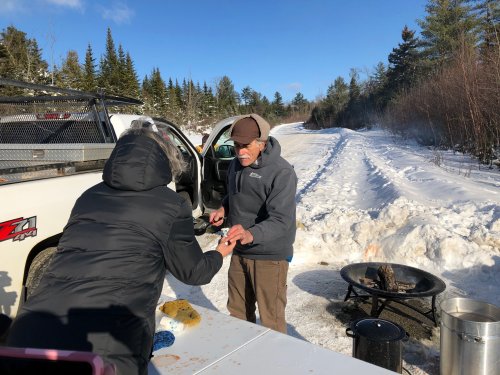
(37, 269)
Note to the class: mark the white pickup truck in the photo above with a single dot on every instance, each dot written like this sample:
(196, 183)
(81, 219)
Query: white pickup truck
(52, 148)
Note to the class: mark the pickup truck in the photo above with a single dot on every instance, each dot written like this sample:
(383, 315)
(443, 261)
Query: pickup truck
(53, 146)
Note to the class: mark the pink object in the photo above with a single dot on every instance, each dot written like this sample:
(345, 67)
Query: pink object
(94, 361)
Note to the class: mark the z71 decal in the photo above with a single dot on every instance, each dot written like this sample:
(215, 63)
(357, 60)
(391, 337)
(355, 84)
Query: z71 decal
(18, 229)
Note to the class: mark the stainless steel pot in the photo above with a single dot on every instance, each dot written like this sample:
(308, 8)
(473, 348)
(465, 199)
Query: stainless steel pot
(470, 337)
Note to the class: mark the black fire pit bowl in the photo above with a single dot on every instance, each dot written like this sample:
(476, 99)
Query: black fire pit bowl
(426, 284)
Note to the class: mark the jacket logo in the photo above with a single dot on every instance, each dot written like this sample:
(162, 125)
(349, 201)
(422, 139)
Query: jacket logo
(255, 175)
(18, 229)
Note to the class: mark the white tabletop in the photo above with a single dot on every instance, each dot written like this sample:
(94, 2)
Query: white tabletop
(220, 344)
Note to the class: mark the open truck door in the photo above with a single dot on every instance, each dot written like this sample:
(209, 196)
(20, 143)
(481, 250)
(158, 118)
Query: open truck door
(218, 152)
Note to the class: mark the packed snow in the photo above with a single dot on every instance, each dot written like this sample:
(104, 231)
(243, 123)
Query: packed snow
(370, 196)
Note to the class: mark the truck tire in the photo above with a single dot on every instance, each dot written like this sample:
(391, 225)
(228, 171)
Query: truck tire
(37, 269)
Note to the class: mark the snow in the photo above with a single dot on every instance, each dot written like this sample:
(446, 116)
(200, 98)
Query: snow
(369, 196)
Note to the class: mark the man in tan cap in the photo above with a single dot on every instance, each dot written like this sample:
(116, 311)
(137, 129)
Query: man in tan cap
(260, 210)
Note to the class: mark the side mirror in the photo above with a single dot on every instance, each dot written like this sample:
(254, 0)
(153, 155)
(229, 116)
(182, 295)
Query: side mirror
(225, 151)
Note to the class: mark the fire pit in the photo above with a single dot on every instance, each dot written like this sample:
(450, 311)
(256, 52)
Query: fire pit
(411, 283)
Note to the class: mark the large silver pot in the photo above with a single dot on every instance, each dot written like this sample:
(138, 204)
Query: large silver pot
(470, 337)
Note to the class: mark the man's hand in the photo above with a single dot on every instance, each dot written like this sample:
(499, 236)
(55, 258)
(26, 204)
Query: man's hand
(238, 233)
(225, 247)
(217, 217)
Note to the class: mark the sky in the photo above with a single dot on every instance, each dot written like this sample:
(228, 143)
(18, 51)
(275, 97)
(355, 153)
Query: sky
(287, 46)
(370, 197)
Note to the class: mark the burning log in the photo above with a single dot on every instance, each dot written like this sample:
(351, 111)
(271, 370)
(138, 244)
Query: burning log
(387, 278)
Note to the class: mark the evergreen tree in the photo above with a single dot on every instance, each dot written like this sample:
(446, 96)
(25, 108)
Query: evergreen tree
(354, 88)
(146, 95)
(377, 88)
(120, 73)
(299, 104)
(173, 104)
(89, 82)
(258, 104)
(246, 95)
(487, 13)
(6, 67)
(70, 75)
(338, 95)
(277, 105)
(448, 24)
(208, 104)
(226, 97)
(131, 80)
(158, 91)
(404, 62)
(109, 67)
(265, 108)
(23, 59)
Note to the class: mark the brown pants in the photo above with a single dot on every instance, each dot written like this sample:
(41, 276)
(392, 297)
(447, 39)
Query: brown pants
(262, 282)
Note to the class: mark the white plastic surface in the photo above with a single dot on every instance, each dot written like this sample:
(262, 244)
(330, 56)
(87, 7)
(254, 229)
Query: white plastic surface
(221, 344)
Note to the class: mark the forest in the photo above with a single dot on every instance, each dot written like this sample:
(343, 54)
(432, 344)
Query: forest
(440, 86)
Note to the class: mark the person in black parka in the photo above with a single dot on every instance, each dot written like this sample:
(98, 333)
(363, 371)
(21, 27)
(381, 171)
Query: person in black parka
(101, 289)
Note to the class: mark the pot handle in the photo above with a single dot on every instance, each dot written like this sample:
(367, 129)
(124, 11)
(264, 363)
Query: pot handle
(349, 333)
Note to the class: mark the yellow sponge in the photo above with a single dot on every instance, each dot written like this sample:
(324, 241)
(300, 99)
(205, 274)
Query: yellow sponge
(182, 311)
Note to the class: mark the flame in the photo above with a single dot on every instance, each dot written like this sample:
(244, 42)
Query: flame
(371, 251)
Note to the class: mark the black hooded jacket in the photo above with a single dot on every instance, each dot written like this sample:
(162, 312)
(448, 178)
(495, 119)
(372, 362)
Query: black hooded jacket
(108, 271)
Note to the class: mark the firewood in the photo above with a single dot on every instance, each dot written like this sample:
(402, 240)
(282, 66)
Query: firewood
(369, 282)
(404, 286)
(387, 278)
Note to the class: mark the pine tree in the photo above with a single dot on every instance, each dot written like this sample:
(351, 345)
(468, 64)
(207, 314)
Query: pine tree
(70, 75)
(89, 82)
(120, 74)
(208, 105)
(277, 105)
(158, 93)
(226, 97)
(246, 96)
(404, 62)
(354, 88)
(23, 59)
(338, 95)
(448, 25)
(109, 67)
(377, 88)
(299, 103)
(487, 13)
(131, 80)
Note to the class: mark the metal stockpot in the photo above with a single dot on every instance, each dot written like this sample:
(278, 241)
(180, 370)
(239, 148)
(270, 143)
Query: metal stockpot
(470, 337)
(379, 342)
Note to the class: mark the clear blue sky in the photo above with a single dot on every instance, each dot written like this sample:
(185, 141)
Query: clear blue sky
(273, 45)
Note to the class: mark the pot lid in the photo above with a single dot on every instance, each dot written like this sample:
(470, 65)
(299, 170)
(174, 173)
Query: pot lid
(378, 329)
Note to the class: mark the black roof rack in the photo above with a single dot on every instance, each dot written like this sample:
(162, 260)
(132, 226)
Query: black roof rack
(70, 94)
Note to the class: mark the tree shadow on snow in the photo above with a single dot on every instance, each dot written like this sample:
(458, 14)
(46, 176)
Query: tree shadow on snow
(480, 282)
